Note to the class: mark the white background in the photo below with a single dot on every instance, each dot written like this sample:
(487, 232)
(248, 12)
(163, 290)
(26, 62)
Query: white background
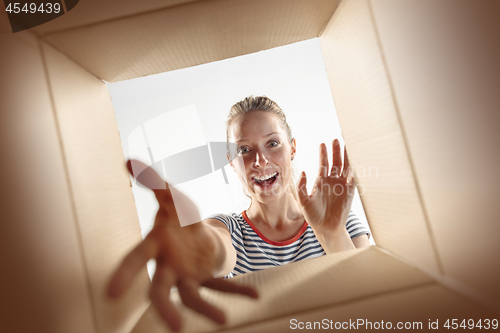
(178, 110)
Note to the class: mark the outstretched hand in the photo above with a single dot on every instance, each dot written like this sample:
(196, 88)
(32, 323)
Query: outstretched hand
(185, 257)
(328, 206)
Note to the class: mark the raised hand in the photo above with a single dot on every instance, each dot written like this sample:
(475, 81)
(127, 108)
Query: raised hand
(185, 257)
(328, 206)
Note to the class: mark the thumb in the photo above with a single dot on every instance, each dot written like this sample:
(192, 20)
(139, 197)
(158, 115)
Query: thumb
(148, 178)
(302, 189)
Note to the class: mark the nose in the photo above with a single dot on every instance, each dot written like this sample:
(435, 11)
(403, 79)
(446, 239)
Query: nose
(260, 160)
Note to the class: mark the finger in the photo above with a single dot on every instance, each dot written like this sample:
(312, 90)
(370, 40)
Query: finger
(145, 175)
(148, 177)
(337, 159)
(347, 167)
(163, 281)
(188, 290)
(302, 189)
(131, 265)
(350, 177)
(230, 287)
(182, 208)
(323, 161)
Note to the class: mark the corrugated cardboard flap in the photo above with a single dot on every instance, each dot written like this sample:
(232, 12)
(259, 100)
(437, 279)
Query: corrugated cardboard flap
(189, 35)
(303, 286)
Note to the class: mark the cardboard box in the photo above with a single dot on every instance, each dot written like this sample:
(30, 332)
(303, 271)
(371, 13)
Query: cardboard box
(416, 86)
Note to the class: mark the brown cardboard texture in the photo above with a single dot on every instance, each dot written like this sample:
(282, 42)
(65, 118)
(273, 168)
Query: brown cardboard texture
(415, 84)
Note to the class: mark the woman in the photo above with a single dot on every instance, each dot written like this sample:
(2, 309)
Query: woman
(272, 232)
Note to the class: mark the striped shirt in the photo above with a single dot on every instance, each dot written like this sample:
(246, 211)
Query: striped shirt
(255, 252)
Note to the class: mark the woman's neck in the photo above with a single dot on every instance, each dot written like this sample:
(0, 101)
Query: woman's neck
(278, 214)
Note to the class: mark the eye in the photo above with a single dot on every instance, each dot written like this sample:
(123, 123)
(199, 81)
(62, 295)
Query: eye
(273, 143)
(243, 150)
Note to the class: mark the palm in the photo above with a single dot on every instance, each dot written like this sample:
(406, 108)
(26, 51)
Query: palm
(328, 206)
(188, 251)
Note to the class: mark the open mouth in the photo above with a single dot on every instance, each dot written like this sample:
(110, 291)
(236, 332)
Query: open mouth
(266, 180)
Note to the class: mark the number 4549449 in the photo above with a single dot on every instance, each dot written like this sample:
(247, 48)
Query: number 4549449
(33, 8)
(471, 324)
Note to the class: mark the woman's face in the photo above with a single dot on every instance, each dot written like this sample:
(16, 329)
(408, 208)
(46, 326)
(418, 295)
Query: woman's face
(264, 155)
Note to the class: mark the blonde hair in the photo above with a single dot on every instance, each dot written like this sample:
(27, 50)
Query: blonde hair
(265, 104)
(259, 103)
